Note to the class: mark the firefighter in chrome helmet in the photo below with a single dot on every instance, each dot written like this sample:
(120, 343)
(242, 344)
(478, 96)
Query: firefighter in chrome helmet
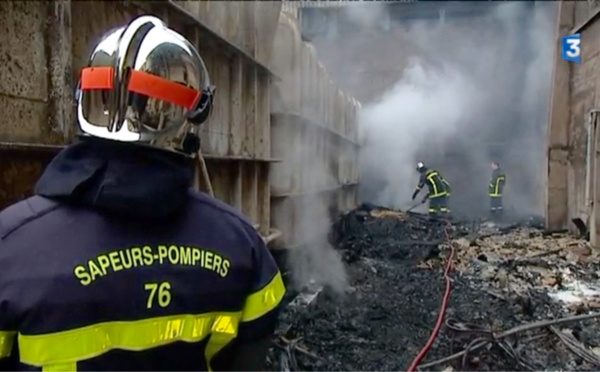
(146, 84)
(114, 264)
(438, 190)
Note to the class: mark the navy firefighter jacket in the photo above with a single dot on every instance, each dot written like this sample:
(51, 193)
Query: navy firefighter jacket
(115, 264)
(497, 183)
(436, 184)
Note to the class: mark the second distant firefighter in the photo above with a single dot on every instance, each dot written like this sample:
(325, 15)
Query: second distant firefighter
(495, 191)
(438, 187)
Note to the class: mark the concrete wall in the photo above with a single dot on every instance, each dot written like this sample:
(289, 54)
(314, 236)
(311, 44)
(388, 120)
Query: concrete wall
(314, 131)
(572, 177)
(43, 46)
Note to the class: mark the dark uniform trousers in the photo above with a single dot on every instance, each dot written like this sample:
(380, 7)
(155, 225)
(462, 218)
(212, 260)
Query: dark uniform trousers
(439, 205)
(496, 208)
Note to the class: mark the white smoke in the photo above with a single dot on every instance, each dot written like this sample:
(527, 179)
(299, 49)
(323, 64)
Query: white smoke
(485, 98)
(424, 108)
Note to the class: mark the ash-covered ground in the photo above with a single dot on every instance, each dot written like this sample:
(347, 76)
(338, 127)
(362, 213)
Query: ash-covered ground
(395, 262)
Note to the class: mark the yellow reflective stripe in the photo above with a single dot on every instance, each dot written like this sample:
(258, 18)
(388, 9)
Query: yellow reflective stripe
(6, 343)
(221, 336)
(497, 188)
(71, 367)
(260, 303)
(430, 175)
(91, 341)
(430, 179)
(436, 192)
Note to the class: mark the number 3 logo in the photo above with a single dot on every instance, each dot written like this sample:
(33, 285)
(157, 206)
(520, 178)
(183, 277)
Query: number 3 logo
(164, 294)
(574, 48)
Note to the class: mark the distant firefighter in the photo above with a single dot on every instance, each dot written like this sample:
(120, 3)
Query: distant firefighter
(495, 191)
(439, 190)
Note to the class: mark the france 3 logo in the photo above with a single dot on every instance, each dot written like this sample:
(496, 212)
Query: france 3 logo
(571, 48)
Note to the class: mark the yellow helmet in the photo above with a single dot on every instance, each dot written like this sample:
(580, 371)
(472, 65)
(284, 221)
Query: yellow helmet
(145, 83)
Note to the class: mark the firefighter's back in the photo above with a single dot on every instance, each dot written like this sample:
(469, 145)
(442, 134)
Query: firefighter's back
(114, 265)
(84, 290)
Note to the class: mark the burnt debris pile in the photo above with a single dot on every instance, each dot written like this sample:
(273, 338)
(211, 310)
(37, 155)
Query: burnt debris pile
(394, 261)
(388, 312)
(385, 234)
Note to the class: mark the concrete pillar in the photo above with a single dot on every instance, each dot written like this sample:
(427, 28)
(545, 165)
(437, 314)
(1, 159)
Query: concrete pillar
(59, 62)
(558, 135)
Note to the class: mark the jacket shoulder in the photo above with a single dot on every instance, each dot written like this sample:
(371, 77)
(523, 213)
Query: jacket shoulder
(220, 207)
(23, 212)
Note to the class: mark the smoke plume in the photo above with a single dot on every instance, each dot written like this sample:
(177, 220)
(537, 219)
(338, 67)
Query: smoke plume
(305, 175)
(470, 90)
(317, 262)
(477, 90)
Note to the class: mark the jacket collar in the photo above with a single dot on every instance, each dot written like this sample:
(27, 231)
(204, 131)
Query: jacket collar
(128, 179)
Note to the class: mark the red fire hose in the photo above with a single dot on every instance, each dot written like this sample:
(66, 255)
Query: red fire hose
(440, 318)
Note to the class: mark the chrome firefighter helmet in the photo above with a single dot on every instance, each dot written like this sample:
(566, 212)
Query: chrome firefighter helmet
(145, 83)
(420, 166)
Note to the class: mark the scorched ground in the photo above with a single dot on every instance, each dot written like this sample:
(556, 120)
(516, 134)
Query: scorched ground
(503, 278)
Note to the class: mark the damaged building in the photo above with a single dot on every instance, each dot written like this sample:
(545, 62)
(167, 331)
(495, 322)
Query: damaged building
(519, 295)
(572, 135)
(372, 46)
(323, 110)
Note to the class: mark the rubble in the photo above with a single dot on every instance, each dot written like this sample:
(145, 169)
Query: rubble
(529, 259)
(502, 278)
